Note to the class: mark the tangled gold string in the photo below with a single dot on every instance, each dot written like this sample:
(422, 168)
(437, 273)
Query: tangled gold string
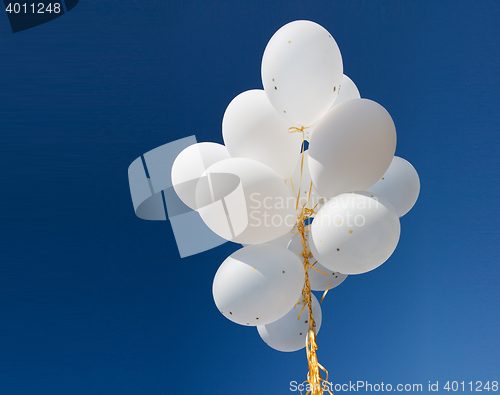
(314, 379)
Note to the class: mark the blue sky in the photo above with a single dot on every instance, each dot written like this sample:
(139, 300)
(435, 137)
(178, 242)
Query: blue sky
(95, 301)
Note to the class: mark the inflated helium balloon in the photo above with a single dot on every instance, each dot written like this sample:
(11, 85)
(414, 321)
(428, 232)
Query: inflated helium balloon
(348, 91)
(252, 129)
(400, 185)
(245, 201)
(289, 333)
(351, 148)
(258, 284)
(354, 233)
(189, 166)
(302, 71)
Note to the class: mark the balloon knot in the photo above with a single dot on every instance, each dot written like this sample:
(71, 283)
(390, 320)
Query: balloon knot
(295, 129)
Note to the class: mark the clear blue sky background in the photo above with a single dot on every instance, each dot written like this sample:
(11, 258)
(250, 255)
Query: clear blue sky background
(95, 301)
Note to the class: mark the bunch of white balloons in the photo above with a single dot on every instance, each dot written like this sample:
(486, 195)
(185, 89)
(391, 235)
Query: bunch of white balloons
(252, 189)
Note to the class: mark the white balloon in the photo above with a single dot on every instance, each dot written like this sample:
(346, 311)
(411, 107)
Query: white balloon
(189, 166)
(352, 147)
(300, 185)
(302, 71)
(354, 233)
(258, 284)
(348, 91)
(318, 281)
(288, 334)
(245, 201)
(252, 129)
(400, 185)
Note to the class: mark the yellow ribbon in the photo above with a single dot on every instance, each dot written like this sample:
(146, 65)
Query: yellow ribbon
(314, 375)
(329, 280)
(295, 130)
